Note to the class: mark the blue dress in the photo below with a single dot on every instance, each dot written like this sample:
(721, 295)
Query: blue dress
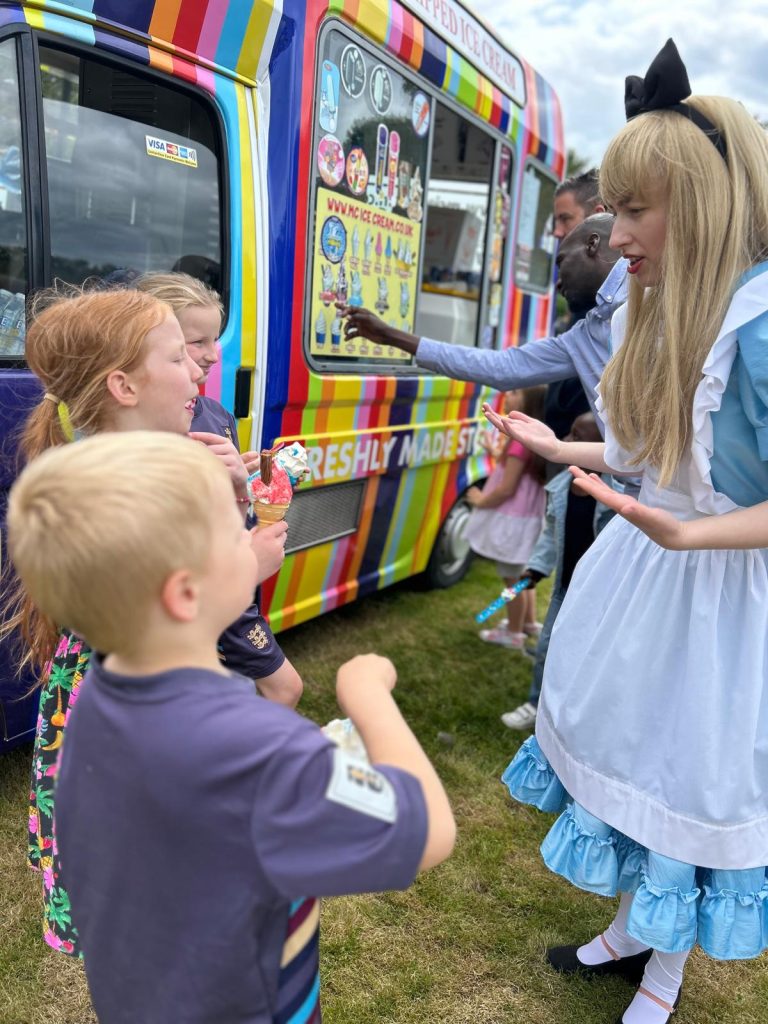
(652, 732)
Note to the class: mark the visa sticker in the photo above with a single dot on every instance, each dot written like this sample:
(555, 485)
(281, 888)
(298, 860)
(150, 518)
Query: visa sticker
(355, 784)
(171, 151)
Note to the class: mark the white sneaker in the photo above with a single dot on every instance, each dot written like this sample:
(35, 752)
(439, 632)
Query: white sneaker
(501, 635)
(523, 717)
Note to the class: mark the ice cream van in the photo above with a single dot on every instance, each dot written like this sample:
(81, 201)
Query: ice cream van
(389, 153)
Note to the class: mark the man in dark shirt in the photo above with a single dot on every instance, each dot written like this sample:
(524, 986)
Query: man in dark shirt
(576, 198)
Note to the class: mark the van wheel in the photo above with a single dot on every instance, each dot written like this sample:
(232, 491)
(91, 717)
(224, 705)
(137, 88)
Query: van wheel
(451, 556)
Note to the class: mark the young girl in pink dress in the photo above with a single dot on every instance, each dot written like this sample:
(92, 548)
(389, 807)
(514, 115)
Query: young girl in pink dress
(507, 517)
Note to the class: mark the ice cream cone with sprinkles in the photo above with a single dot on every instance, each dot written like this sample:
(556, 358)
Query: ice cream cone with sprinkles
(271, 488)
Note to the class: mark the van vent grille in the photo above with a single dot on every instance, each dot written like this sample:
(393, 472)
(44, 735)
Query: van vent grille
(323, 514)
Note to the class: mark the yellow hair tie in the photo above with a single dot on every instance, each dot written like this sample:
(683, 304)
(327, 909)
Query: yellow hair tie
(63, 410)
(66, 423)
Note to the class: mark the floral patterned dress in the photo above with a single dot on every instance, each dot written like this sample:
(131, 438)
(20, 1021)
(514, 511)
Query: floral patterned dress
(58, 695)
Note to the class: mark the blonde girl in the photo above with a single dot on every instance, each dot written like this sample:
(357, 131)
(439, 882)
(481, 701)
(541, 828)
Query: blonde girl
(652, 732)
(199, 311)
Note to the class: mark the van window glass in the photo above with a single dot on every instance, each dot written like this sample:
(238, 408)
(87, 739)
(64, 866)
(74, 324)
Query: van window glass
(459, 189)
(535, 248)
(369, 161)
(13, 228)
(133, 173)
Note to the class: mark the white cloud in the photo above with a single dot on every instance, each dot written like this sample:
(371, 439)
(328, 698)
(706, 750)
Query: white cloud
(585, 49)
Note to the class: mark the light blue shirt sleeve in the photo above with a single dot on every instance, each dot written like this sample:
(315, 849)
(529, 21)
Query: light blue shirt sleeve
(538, 362)
(579, 352)
(739, 462)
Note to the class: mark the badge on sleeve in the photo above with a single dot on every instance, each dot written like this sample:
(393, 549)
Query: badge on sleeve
(355, 784)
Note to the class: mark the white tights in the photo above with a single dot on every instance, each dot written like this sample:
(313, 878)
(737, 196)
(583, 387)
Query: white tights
(662, 979)
(615, 936)
(663, 975)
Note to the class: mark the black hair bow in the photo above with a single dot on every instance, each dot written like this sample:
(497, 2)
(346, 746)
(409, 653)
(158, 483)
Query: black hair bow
(664, 87)
(665, 84)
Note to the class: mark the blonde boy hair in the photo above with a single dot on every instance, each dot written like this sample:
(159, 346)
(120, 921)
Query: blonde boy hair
(716, 228)
(97, 527)
(180, 291)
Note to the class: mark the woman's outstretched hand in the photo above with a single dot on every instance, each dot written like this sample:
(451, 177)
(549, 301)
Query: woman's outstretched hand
(534, 434)
(660, 526)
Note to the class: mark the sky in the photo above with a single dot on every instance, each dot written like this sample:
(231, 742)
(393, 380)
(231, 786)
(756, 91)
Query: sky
(585, 48)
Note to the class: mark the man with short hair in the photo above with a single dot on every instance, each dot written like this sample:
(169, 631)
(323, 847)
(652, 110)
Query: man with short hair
(576, 198)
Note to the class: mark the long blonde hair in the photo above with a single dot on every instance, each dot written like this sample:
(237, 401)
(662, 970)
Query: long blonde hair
(72, 346)
(716, 227)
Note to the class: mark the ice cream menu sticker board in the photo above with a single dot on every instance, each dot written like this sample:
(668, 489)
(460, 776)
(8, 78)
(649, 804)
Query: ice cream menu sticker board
(366, 257)
(372, 128)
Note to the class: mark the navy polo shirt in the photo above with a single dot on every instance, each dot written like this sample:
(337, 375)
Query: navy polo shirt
(248, 646)
(211, 417)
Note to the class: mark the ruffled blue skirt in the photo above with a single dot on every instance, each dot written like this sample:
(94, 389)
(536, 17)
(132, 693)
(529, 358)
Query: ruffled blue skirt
(675, 905)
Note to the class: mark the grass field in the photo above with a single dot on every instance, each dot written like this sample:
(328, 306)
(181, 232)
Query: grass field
(465, 945)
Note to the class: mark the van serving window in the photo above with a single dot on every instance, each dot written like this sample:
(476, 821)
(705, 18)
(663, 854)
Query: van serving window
(13, 232)
(535, 248)
(459, 189)
(133, 173)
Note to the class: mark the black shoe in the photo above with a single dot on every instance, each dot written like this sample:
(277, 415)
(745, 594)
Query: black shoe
(631, 968)
(669, 1015)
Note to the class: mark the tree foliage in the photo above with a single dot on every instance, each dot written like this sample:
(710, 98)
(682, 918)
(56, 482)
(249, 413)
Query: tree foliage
(575, 163)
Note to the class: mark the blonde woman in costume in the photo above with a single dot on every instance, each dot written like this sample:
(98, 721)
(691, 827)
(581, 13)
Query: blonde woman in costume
(652, 733)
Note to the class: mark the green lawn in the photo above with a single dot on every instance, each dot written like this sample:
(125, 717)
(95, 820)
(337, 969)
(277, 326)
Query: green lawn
(465, 945)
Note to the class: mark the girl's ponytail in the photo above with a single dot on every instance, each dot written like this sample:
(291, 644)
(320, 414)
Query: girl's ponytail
(42, 430)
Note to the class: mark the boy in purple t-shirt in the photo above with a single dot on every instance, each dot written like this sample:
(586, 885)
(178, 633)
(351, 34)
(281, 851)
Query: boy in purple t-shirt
(190, 814)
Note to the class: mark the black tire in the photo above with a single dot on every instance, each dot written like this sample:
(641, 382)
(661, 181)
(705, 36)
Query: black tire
(451, 556)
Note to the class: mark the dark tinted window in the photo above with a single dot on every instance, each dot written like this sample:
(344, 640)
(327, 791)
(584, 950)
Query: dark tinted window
(13, 232)
(133, 173)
